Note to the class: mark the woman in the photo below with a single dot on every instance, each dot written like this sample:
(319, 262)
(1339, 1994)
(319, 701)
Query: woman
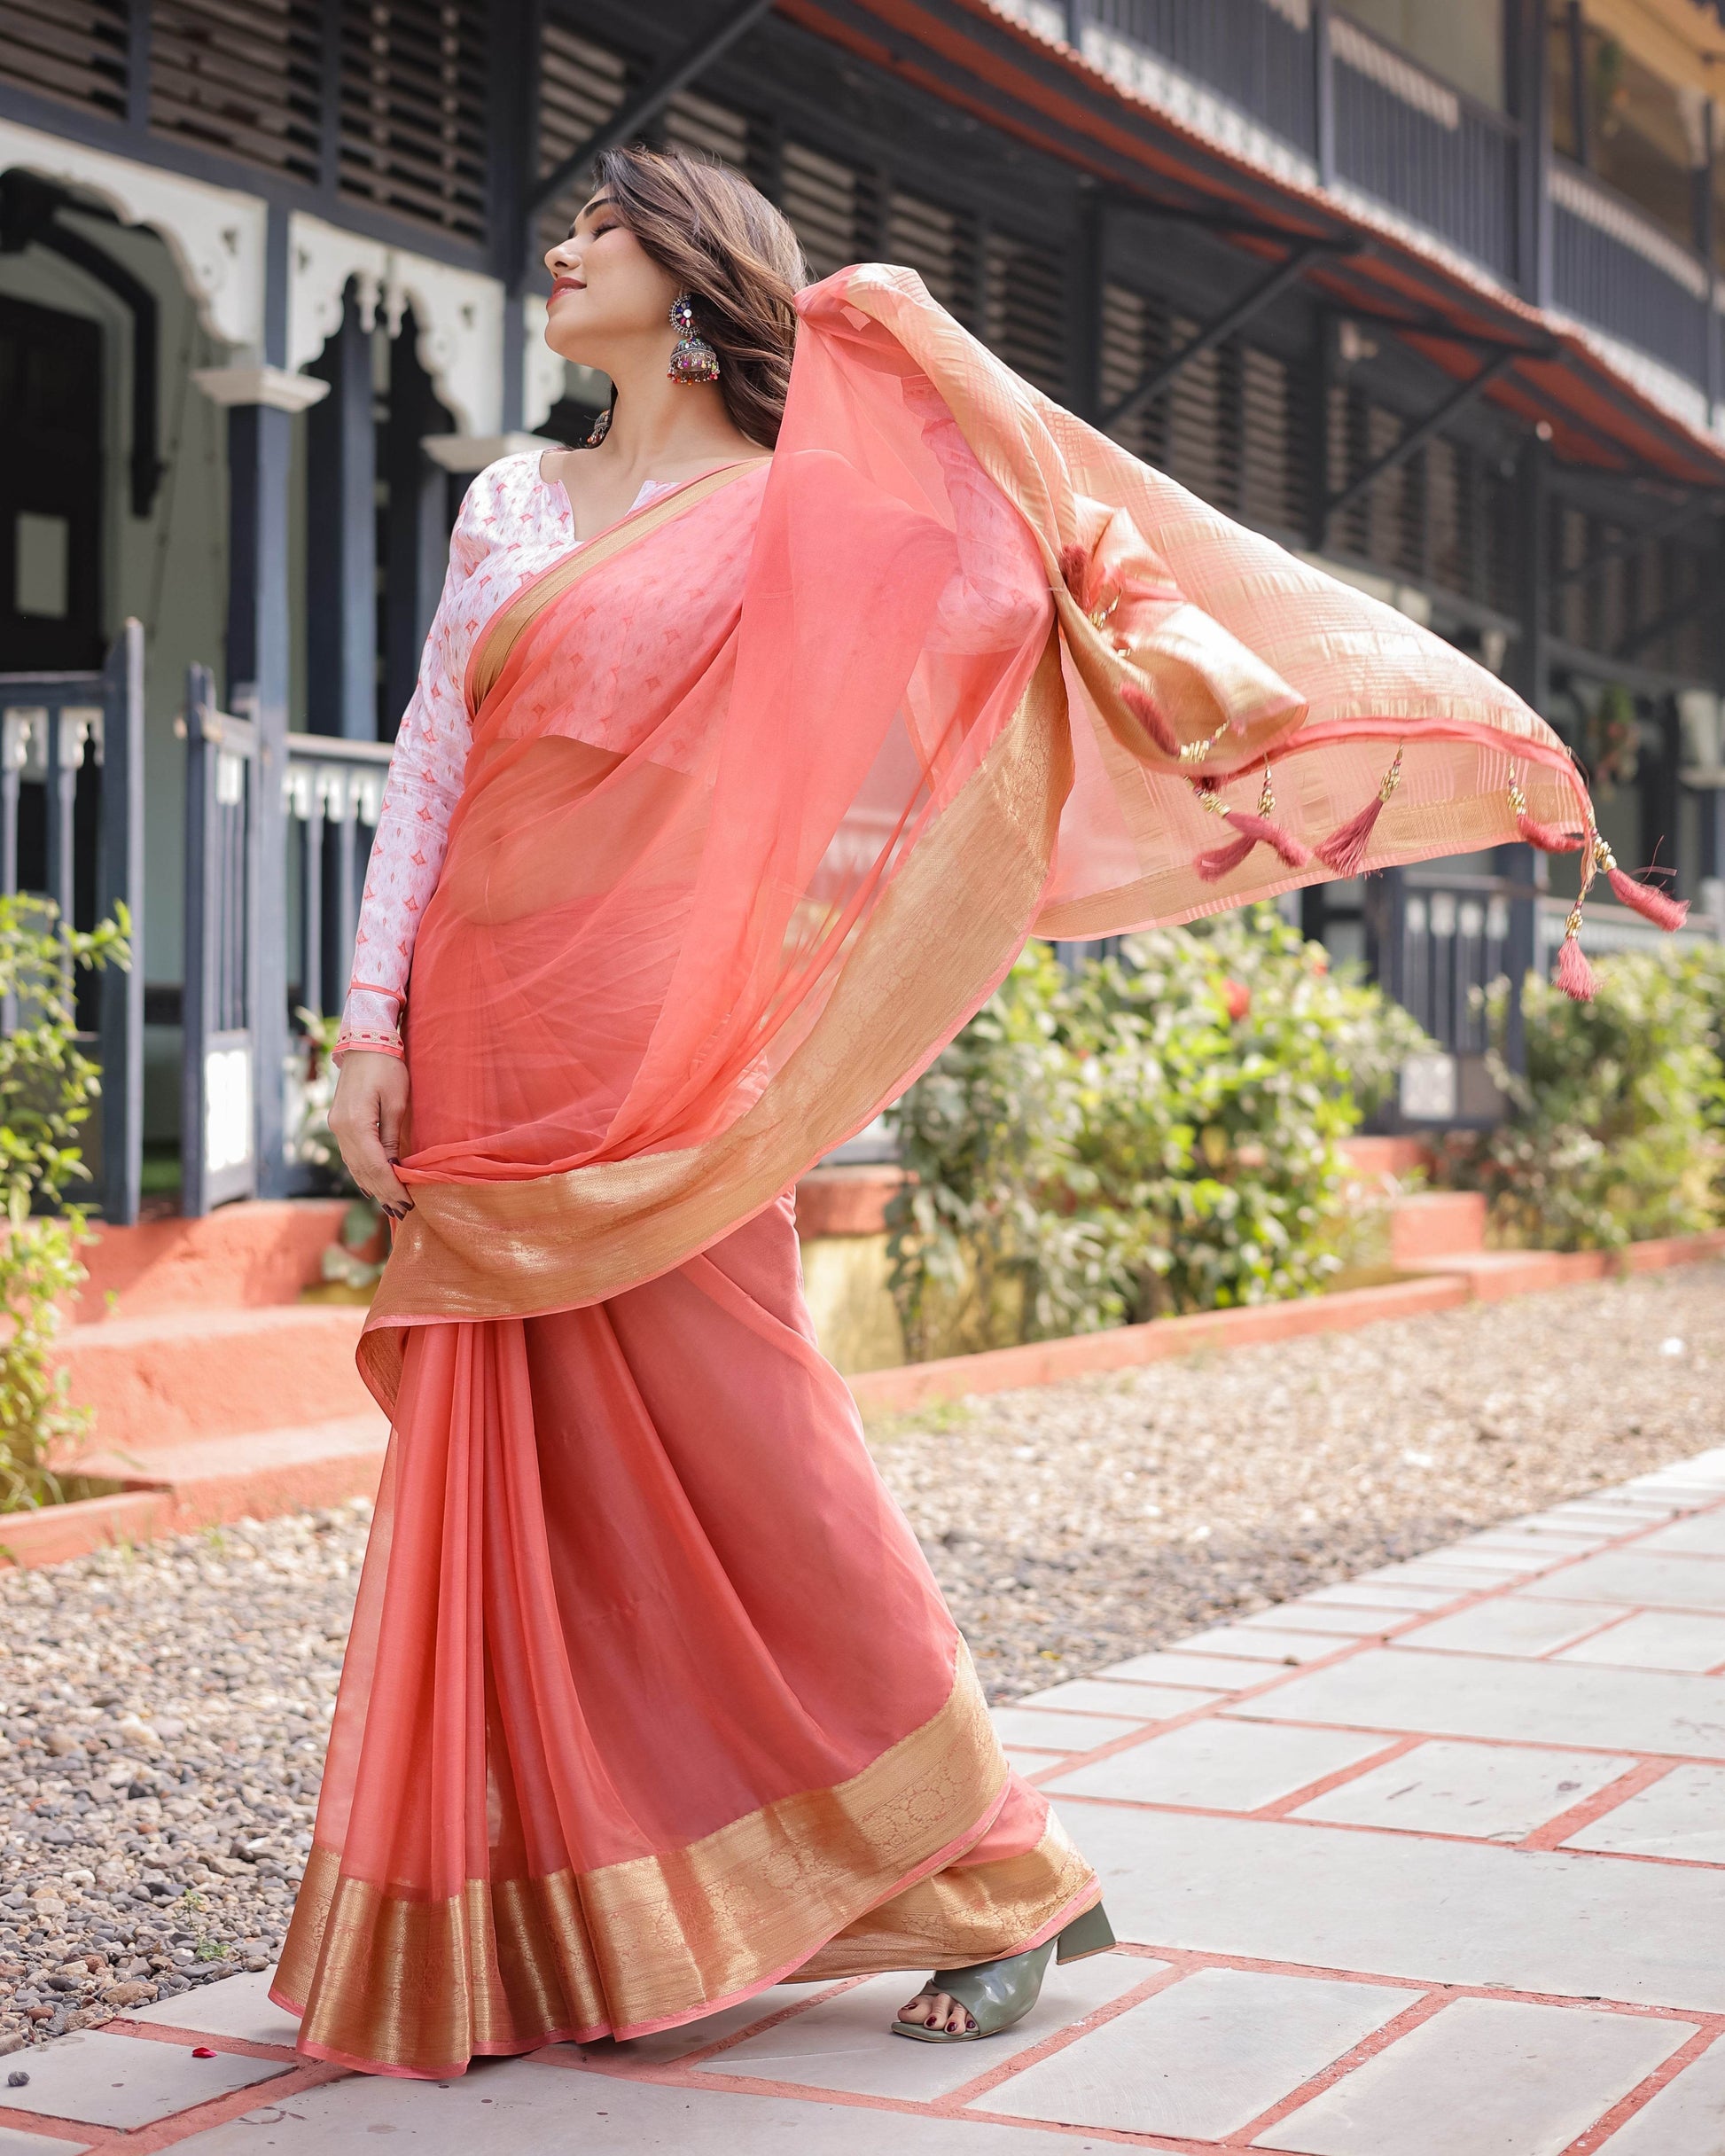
(751, 742)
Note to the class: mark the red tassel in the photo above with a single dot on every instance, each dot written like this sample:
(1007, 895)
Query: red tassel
(1222, 860)
(1548, 840)
(1575, 976)
(1651, 904)
(1260, 829)
(1142, 706)
(1254, 831)
(1075, 567)
(1346, 847)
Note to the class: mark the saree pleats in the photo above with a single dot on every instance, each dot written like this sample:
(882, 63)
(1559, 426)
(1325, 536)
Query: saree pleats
(651, 1701)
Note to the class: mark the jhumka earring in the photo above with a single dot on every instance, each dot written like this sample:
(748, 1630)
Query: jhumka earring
(693, 358)
(601, 428)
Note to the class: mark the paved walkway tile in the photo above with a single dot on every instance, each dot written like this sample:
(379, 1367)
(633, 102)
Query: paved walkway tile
(1552, 1703)
(1203, 2058)
(1656, 1639)
(1339, 1622)
(1683, 1814)
(1393, 1597)
(1511, 1625)
(1703, 1536)
(1687, 2117)
(1214, 1670)
(14, 2144)
(99, 2080)
(1451, 1912)
(1497, 1792)
(1640, 1576)
(1484, 2077)
(671, 2044)
(520, 2108)
(238, 2006)
(1224, 1766)
(1129, 1702)
(1259, 1643)
(845, 2043)
(1047, 1731)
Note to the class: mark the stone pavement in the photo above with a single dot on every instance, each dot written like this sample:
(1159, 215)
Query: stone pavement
(1429, 1864)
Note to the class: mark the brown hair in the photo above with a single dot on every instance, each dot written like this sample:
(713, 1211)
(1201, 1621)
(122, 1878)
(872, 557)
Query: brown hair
(736, 257)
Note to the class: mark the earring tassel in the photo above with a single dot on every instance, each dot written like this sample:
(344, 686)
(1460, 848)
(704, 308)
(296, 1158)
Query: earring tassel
(1142, 706)
(1644, 899)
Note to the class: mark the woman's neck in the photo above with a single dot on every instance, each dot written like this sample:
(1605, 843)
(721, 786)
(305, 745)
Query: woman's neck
(658, 426)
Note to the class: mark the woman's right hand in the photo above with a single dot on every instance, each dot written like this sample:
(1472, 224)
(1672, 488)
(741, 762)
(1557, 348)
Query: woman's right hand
(366, 1118)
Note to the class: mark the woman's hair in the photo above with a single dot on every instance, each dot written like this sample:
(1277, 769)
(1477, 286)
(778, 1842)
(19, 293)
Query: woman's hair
(736, 257)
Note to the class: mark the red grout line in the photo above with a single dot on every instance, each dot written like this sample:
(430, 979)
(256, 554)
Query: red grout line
(1622, 1612)
(165, 2032)
(984, 2082)
(1338, 1779)
(1630, 1783)
(178, 2125)
(1412, 2017)
(1641, 2095)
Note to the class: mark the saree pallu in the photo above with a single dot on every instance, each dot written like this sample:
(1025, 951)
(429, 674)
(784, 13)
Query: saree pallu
(652, 1700)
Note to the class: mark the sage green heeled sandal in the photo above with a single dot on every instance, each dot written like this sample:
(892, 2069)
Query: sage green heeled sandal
(996, 1993)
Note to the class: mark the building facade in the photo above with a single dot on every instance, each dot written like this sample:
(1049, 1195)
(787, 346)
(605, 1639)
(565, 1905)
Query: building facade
(1429, 290)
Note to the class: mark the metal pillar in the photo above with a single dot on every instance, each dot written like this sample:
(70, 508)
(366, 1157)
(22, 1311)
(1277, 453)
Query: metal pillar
(341, 564)
(417, 526)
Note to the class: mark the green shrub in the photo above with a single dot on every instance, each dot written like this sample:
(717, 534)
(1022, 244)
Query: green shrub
(48, 1087)
(1155, 1135)
(1615, 1131)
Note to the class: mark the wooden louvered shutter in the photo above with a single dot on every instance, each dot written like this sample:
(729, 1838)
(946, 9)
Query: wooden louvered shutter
(825, 203)
(940, 245)
(581, 85)
(74, 49)
(239, 79)
(413, 110)
(1024, 312)
(709, 129)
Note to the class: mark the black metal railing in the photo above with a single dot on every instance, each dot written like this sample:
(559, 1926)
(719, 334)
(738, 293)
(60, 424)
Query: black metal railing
(72, 831)
(1436, 941)
(334, 796)
(1612, 268)
(219, 1064)
(1247, 52)
(1424, 150)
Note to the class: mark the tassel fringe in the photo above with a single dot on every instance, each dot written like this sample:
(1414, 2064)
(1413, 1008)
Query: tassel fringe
(1345, 848)
(1222, 860)
(1575, 976)
(1142, 706)
(1645, 899)
(1532, 832)
(1075, 567)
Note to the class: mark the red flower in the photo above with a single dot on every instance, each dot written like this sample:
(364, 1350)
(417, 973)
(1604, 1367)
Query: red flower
(1238, 997)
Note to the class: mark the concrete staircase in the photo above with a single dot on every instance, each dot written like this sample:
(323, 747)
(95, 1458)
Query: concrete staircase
(217, 1392)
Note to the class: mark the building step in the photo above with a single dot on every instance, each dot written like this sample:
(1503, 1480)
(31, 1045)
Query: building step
(242, 1256)
(256, 1474)
(182, 1376)
(1425, 1224)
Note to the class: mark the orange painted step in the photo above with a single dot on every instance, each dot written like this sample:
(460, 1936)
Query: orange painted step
(182, 1376)
(1437, 1224)
(256, 1252)
(258, 1474)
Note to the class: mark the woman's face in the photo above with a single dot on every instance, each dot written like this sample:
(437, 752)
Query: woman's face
(609, 298)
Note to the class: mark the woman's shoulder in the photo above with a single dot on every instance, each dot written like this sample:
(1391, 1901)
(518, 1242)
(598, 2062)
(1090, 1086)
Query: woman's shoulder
(504, 503)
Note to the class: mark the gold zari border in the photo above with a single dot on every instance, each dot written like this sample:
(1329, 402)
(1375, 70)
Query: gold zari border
(421, 1986)
(476, 1250)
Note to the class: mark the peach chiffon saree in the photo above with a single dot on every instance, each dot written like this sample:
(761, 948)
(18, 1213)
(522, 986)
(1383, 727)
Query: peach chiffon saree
(652, 1700)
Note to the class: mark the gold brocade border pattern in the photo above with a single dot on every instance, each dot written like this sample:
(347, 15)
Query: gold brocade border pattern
(966, 1913)
(946, 927)
(420, 1985)
(498, 637)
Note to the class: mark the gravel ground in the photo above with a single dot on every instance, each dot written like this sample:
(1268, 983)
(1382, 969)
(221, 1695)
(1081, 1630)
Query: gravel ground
(1076, 1524)
(162, 1711)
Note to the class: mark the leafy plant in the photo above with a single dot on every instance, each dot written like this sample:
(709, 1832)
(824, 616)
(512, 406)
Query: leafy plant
(346, 1271)
(1160, 1133)
(48, 1087)
(1615, 1134)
